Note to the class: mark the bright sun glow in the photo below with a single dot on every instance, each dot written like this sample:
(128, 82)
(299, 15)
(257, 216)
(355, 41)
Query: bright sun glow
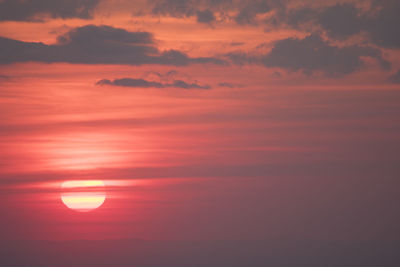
(83, 196)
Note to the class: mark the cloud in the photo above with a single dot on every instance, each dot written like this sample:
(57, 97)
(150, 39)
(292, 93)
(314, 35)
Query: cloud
(35, 9)
(237, 43)
(142, 83)
(384, 27)
(229, 85)
(340, 20)
(90, 34)
(129, 82)
(395, 78)
(97, 45)
(343, 20)
(248, 13)
(184, 85)
(296, 17)
(205, 16)
(314, 54)
(241, 11)
(174, 8)
(161, 76)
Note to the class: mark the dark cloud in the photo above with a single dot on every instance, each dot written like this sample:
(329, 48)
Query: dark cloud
(129, 82)
(341, 20)
(248, 13)
(185, 85)
(91, 34)
(174, 8)
(296, 17)
(97, 45)
(242, 58)
(344, 20)
(35, 9)
(395, 78)
(205, 16)
(228, 85)
(384, 27)
(141, 83)
(241, 11)
(314, 54)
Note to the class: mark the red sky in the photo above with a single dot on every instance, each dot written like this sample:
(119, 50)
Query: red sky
(208, 121)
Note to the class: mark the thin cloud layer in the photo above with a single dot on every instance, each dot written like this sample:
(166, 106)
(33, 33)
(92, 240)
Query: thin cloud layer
(142, 83)
(97, 45)
(28, 10)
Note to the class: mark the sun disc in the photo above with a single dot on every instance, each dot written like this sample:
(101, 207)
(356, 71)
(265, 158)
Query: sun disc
(83, 196)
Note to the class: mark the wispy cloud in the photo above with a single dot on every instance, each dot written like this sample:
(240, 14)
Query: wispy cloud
(141, 83)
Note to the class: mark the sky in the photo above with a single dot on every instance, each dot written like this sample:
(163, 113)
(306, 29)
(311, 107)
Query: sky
(199, 133)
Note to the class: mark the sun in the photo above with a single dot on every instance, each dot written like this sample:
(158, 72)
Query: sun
(83, 196)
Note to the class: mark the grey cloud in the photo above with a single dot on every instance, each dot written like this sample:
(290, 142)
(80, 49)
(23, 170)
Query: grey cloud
(92, 34)
(129, 82)
(242, 58)
(185, 85)
(30, 9)
(341, 21)
(384, 27)
(395, 78)
(296, 17)
(141, 83)
(205, 16)
(97, 45)
(314, 54)
(229, 85)
(243, 11)
(175, 8)
(248, 13)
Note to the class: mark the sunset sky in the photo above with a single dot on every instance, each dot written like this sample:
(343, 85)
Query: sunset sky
(206, 133)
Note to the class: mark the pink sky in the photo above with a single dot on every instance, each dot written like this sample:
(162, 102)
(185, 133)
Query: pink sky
(241, 120)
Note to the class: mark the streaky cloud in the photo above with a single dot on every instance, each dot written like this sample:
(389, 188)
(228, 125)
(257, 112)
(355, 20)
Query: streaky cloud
(142, 83)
